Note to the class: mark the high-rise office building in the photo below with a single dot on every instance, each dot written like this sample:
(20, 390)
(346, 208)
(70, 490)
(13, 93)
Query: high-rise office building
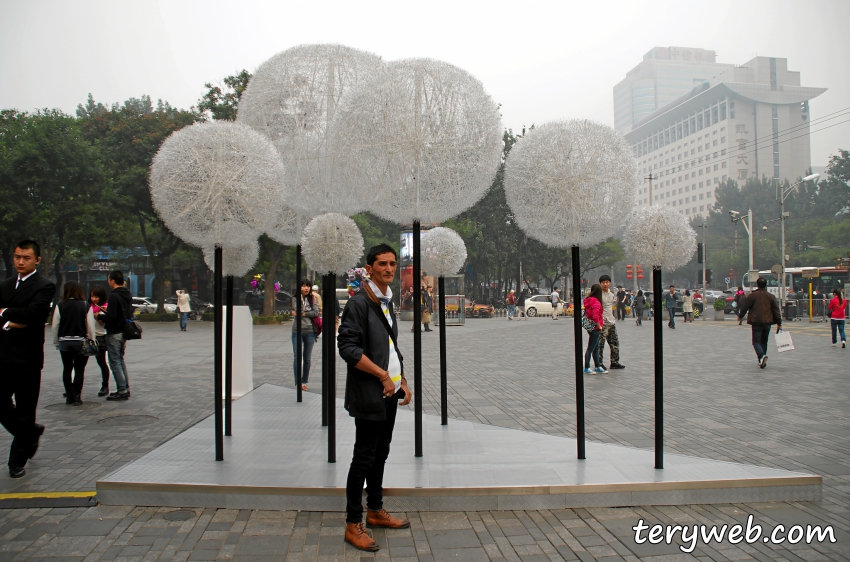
(749, 121)
(665, 74)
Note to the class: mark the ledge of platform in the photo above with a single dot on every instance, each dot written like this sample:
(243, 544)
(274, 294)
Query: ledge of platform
(277, 460)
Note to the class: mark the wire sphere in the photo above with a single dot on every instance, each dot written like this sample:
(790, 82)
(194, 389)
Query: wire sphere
(568, 182)
(287, 227)
(331, 243)
(292, 99)
(424, 141)
(217, 184)
(443, 251)
(236, 261)
(660, 236)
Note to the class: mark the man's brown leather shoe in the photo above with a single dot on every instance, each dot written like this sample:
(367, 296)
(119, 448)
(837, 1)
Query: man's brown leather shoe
(384, 519)
(356, 536)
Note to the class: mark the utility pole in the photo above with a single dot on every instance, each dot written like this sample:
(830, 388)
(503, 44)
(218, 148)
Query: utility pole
(650, 177)
(704, 260)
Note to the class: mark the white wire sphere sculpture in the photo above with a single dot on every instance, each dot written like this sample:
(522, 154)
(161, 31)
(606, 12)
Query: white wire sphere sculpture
(443, 251)
(660, 236)
(424, 141)
(287, 226)
(217, 184)
(292, 99)
(236, 261)
(331, 243)
(568, 182)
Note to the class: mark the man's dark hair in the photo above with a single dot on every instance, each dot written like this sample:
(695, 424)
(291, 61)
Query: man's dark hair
(30, 245)
(117, 277)
(376, 251)
(604, 278)
(761, 282)
(672, 286)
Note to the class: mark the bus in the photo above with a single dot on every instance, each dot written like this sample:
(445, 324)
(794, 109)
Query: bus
(823, 280)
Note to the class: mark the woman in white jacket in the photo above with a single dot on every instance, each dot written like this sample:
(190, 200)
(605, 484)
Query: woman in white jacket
(73, 322)
(183, 308)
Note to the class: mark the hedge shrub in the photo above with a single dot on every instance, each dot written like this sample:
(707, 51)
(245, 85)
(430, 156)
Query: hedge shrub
(166, 317)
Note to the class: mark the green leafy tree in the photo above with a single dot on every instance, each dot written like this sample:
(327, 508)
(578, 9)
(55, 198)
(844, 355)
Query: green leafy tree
(128, 136)
(52, 186)
(222, 102)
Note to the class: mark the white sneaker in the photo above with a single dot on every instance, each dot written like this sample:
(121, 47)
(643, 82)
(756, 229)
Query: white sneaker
(835, 345)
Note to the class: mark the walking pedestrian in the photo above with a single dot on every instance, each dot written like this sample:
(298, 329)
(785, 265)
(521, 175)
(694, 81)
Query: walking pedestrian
(763, 312)
(688, 307)
(738, 301)
(97, 304)
(621, 303)
(374, 384)
(837, 316)
(118, 312)
(510, 301)
(24, 306)
(73, 323)
(317, 296)
(556, 300)
(183, 308)
(609, 329)
(428, 299)
(309, 310)
(670, 301)
(521, 304)
(637, 307)
(593, 310)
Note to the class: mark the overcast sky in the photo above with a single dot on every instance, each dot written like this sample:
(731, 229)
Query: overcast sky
(541, 60)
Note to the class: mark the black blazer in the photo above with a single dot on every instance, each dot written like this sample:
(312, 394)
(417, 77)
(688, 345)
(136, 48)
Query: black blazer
(28, 304)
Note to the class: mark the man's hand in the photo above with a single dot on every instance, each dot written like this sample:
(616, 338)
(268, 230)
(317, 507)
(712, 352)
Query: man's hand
(408, 396)
(388, 384)
(16, 325)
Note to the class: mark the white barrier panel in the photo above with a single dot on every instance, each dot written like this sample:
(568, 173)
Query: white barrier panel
(243, 350)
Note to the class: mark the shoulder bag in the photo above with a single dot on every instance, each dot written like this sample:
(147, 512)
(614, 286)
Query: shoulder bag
(89, 348)
(588, 324)
(131, 330)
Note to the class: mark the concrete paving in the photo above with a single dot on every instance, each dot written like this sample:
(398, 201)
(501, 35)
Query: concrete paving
(719, 405)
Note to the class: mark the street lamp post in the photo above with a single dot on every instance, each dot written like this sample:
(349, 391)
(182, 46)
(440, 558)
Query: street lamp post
(748, 223)
(782, 196)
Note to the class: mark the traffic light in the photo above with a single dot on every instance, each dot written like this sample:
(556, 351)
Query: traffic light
(797, 245)
(707, 276)
(805, 245)
(699, 252)
(629, 271)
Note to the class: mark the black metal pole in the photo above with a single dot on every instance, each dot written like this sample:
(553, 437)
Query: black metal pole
(228, 365)
(219, 438)
(579, 354)
(297, 319)
(328, 329)
(326, 380)
(659, 369)
(417, 344)
(444, 385)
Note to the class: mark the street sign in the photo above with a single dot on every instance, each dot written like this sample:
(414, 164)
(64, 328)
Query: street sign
(810, 272)
(726, 280)
(776, 271)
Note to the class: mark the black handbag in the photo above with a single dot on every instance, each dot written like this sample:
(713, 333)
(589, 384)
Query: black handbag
(131, 330)
(89, 348)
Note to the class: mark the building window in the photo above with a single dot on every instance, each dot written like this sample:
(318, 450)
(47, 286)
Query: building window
(687, 199)
(724, 177)
(714, 142)
(700, 196)
(723, 111)
(742, 174)
(687, 211)
(707, 146)
(715, 167)
(722, 140)
(699, 149)
(692, 152)
(700, 171)
(700, 185)
(708, 195)
(701, 207)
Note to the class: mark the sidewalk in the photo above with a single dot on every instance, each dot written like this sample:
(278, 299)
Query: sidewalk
(792, 415)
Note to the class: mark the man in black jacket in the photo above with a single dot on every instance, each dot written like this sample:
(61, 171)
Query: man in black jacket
(119, 309)
(24, 307)
(374, 384)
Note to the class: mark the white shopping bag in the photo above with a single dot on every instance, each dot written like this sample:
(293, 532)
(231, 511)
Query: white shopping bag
(783, 341)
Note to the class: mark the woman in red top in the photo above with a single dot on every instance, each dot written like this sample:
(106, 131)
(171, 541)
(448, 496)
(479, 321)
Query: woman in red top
(593, 310)
(836, 317)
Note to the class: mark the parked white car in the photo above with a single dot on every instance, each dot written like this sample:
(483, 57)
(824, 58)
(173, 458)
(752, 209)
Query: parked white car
(143, 305)
(540, 305)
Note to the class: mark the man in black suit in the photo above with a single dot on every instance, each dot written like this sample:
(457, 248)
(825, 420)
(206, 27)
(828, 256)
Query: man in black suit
(24, 306)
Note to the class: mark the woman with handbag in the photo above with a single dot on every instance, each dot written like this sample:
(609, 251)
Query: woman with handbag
(593, 313)
(73, 324)
(688, 307)
(97, 304)
(309, 315)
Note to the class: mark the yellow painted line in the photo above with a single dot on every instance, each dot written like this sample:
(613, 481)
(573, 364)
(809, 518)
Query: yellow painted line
(36, 495)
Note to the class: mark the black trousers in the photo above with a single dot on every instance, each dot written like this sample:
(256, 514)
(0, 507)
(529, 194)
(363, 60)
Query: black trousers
(24, 384)
(73, 361)
(371, 448)
(101, 361)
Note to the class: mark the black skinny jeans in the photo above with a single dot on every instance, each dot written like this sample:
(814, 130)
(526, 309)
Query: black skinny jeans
(72, 360)
(371, 448)
(101, 361)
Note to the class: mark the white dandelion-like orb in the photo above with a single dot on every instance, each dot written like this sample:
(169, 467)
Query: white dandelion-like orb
(287, 227)
(424, 141)
(217, 184)
(331, 243)
(292, 98)
(236, 261)
(660, 236)
(568, 182)
(443, 251)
